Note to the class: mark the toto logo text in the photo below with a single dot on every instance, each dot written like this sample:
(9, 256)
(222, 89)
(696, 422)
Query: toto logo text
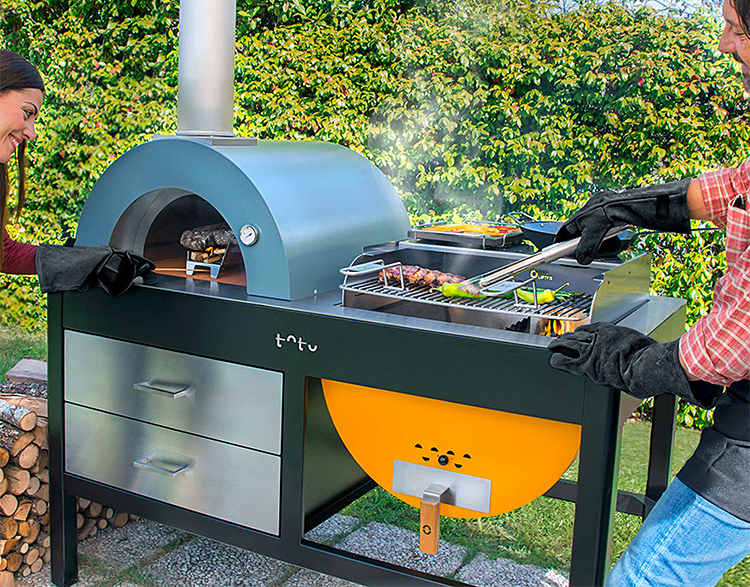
(296, 341)
(537, 275)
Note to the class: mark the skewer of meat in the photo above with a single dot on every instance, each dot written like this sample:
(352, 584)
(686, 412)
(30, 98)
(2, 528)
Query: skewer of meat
(416, 275)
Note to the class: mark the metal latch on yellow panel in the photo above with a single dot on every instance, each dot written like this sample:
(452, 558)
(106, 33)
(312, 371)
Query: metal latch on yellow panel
(429, 518)
(436, 486)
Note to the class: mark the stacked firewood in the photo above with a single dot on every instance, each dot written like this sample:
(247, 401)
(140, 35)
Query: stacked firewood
(24, 491)
(93, 516)
(24, 487)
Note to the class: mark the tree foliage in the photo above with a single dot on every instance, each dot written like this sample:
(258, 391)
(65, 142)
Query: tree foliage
(473, 108)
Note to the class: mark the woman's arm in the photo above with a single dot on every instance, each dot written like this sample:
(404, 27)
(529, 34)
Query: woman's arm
(19, 258)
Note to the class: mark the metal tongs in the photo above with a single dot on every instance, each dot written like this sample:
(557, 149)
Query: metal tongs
(548, 254)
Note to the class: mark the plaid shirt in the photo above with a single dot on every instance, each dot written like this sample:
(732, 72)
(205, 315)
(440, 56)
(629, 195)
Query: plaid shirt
(717, 348)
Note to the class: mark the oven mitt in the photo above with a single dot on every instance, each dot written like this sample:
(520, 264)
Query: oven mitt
(117, 272)
(625, 359)
(661, 207)
(80, 268)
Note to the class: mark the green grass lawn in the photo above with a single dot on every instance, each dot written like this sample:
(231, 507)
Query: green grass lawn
(541, 532)
(16, 344)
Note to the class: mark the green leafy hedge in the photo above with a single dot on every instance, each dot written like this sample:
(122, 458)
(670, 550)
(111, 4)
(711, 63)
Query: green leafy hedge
(473, 109)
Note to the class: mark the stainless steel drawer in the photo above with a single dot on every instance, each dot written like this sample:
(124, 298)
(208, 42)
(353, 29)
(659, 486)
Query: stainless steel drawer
(214, 478)
(220, 400)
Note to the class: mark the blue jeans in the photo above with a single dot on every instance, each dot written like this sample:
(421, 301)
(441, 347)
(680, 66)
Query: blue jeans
(685, 541)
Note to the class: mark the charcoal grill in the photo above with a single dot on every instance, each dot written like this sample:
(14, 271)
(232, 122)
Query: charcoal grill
(604, 292)
(222, 405)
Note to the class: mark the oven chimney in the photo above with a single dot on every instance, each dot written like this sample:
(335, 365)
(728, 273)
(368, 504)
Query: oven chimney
(205, 78)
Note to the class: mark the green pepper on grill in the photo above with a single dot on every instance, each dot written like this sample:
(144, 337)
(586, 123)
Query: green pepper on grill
(459, 290)
(543, 297)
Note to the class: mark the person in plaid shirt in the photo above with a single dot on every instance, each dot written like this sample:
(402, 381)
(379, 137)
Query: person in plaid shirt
(700, 527)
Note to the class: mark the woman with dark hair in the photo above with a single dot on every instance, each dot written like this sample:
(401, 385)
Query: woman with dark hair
(59, 268)
(21, 95)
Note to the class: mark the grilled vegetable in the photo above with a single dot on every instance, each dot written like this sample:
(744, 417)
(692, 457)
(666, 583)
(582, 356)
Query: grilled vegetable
(543, 297)
(459, 290)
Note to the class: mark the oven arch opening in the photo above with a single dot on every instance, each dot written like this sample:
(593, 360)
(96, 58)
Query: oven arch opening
(153, 224)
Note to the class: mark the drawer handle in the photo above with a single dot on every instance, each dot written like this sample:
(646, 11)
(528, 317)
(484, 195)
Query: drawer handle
(162, 466)
(164, 388)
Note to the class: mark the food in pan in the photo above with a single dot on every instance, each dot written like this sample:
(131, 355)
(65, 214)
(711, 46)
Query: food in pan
(416, 275)
(488, 229)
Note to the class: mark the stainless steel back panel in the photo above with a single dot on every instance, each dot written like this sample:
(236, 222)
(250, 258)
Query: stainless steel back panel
(224, 401)
(213, 478)
(624, 289)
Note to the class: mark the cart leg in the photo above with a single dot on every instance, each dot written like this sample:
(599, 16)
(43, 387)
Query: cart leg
(660, 451)
(64, 544)
(597, 487)
(62, 508)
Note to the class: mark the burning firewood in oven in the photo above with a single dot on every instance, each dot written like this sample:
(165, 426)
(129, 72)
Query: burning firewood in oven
(210, 255)
(207, 247)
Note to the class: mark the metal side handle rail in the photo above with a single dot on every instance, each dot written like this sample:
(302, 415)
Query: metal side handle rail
(546, 255)
(374, 267)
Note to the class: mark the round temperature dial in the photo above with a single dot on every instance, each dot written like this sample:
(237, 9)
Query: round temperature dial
(249, 235)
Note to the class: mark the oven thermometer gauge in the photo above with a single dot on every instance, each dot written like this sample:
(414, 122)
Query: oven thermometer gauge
(249, 235)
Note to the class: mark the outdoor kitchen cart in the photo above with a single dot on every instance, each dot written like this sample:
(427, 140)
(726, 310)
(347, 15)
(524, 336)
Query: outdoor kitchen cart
(199, 402)
(257, 387)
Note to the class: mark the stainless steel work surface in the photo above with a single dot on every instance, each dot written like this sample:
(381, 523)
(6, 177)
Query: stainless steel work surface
(202, 475)
(220, 400)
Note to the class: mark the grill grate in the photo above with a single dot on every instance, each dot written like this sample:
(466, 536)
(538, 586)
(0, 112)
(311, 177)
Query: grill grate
(574, 308)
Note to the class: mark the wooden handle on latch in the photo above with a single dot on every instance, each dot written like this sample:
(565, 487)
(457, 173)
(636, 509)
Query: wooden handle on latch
(429, 526)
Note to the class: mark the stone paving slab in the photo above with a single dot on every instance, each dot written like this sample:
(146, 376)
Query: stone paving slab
(201, 562)
(148, 554)
(506, 573)
(28, 370)
(333, 529)
(307, 578)
(86, 578)
(120, 548)
(401, 547)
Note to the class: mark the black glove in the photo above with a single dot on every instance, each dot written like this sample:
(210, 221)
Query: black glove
(625, 359)
(660, 207)
(80, 268)
(118, 270)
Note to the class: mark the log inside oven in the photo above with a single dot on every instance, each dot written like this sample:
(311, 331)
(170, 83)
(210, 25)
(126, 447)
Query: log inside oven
(207, 247)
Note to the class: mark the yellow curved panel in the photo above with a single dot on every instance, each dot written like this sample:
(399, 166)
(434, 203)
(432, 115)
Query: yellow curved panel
(523, 456)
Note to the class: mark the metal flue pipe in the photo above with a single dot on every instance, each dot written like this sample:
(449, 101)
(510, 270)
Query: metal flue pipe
(205, 92)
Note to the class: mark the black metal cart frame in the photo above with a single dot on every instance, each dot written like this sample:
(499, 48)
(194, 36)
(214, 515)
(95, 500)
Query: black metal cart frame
(508, 371)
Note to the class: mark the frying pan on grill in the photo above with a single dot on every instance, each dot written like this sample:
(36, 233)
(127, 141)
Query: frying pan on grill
(542, 234)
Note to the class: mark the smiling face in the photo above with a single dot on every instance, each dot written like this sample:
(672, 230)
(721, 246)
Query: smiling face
(734, 41)
(18, 113)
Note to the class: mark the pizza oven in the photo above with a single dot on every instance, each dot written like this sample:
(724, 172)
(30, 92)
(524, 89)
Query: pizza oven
(296, 208)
